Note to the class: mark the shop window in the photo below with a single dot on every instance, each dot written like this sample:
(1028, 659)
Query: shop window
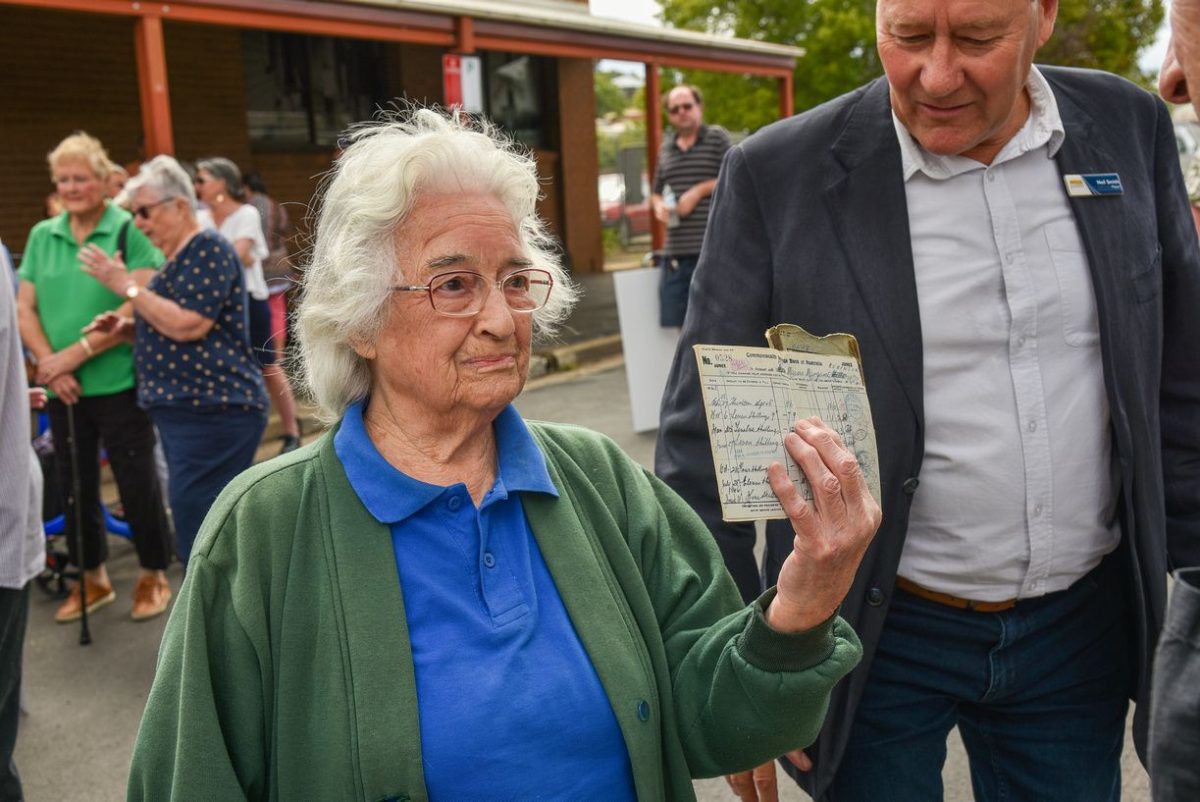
(517, 90)
(303, 91)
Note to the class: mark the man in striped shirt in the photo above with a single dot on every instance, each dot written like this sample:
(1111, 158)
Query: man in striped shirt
(688, 163)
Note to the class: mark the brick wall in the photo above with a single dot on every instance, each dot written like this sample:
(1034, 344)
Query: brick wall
(88, 80)
(62, 72)
(208, 95)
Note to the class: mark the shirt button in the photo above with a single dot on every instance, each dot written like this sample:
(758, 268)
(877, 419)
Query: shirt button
(1037, 510)
(874, 597)
(1033, 426)
(911, 484)
(454, 503)
(991, 176)
(643, 710)
(489, 560)
(1020, 342)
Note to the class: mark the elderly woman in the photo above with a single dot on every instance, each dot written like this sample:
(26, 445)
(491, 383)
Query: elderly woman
(196, 373)
(219, 184)
(440, 600)
(91, 377)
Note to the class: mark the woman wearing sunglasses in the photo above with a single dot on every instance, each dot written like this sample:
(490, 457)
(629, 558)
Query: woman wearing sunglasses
(90, 375)
(440, 600)
(197, 375)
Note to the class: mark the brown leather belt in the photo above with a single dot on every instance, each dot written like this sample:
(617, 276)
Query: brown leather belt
(909, 586)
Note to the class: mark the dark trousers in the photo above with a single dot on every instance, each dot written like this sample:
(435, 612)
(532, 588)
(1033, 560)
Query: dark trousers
(673, 289)
(128, 438)
(205, 450)
(14, 611)
(1039, 694)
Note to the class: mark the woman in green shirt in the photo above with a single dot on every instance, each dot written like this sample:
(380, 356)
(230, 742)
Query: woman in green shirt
(93, 373)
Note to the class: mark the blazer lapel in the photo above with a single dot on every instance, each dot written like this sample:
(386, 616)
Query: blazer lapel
(1102, 221)
(869, 208)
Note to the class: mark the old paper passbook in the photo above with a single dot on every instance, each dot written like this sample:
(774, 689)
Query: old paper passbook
(753, 397)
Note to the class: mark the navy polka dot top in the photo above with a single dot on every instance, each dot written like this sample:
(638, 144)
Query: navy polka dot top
(217, 372)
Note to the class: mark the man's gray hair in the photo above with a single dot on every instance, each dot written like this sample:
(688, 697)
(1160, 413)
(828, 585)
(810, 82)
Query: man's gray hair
(373, 186)
(163, 176)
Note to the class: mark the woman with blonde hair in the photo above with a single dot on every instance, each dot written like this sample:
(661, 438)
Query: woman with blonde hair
(91, 376)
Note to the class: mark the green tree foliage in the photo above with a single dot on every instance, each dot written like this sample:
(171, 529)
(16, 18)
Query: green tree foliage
(838, 36)
(839, 40)
(609, 97)
(609, 146)
(1104, 35)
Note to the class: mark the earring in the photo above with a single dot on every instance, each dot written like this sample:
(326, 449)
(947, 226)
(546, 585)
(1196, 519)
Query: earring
(220, 198)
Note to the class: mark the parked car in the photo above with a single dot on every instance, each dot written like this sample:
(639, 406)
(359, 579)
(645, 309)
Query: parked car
(629, 219)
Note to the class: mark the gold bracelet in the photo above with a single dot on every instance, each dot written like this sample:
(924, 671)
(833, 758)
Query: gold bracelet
(86, 346)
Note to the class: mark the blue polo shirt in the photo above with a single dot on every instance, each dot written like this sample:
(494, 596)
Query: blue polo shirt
(510, 705)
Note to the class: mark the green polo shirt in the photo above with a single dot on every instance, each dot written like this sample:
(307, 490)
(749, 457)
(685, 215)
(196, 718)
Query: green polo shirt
(68, 298)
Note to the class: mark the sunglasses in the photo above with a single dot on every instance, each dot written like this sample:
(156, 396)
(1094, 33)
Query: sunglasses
(144, 211)
(680, 107)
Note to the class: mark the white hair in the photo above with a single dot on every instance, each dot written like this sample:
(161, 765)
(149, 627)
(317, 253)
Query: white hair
(368, 194)
(165, 177)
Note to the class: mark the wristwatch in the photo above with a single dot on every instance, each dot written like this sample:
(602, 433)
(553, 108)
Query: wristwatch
(132, 290)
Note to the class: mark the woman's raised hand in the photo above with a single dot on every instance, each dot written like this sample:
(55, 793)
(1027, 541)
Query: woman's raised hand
(832, 531)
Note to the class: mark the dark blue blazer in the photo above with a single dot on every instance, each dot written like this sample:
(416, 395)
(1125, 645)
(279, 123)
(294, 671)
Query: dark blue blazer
(809, 225)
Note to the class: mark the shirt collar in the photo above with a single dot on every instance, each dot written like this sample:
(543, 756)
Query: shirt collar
(391, 495)
(1044, 127)
(699, 137)
(108, 222)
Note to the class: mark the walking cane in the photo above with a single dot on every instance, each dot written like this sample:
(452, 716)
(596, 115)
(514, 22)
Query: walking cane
(85, 637)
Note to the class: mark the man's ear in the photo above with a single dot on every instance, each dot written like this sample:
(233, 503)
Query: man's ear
(1047, 14)
(1172, 82)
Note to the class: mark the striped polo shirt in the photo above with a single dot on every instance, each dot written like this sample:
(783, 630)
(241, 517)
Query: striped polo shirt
(682, 170)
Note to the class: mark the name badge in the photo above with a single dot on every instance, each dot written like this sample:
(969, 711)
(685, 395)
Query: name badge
(1085, 186)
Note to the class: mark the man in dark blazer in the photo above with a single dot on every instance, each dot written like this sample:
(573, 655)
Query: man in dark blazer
(1013, 249)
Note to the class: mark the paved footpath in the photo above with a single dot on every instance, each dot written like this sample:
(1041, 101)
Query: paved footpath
(84, 703)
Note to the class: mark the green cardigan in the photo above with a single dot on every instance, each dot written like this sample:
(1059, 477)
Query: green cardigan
(285, 671)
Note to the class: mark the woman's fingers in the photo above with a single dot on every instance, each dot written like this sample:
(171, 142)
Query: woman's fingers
(853, 498)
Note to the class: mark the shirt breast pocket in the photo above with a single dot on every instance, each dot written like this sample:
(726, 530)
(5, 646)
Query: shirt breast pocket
(1076, 297)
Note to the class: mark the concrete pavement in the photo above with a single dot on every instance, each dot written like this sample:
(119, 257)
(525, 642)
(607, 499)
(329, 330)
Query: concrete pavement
(84, 703)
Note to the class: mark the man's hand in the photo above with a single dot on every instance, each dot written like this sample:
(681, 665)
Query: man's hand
(832, 532)
(760, 784)
(658, 207)
(66, 388)
(37, 398)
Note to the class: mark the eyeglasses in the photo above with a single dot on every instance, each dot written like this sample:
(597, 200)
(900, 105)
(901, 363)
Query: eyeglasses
(464, 292)
(144, 211)
(681, 107)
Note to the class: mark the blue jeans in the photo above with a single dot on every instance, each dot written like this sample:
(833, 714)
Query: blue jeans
(205, 450)
(673, 289)
(1039, 694)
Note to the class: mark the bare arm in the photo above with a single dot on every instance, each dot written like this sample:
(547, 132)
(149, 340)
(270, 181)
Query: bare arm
(63, 381)
(689, 200)
(166, 316)
(245, 251)
(32, 333)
